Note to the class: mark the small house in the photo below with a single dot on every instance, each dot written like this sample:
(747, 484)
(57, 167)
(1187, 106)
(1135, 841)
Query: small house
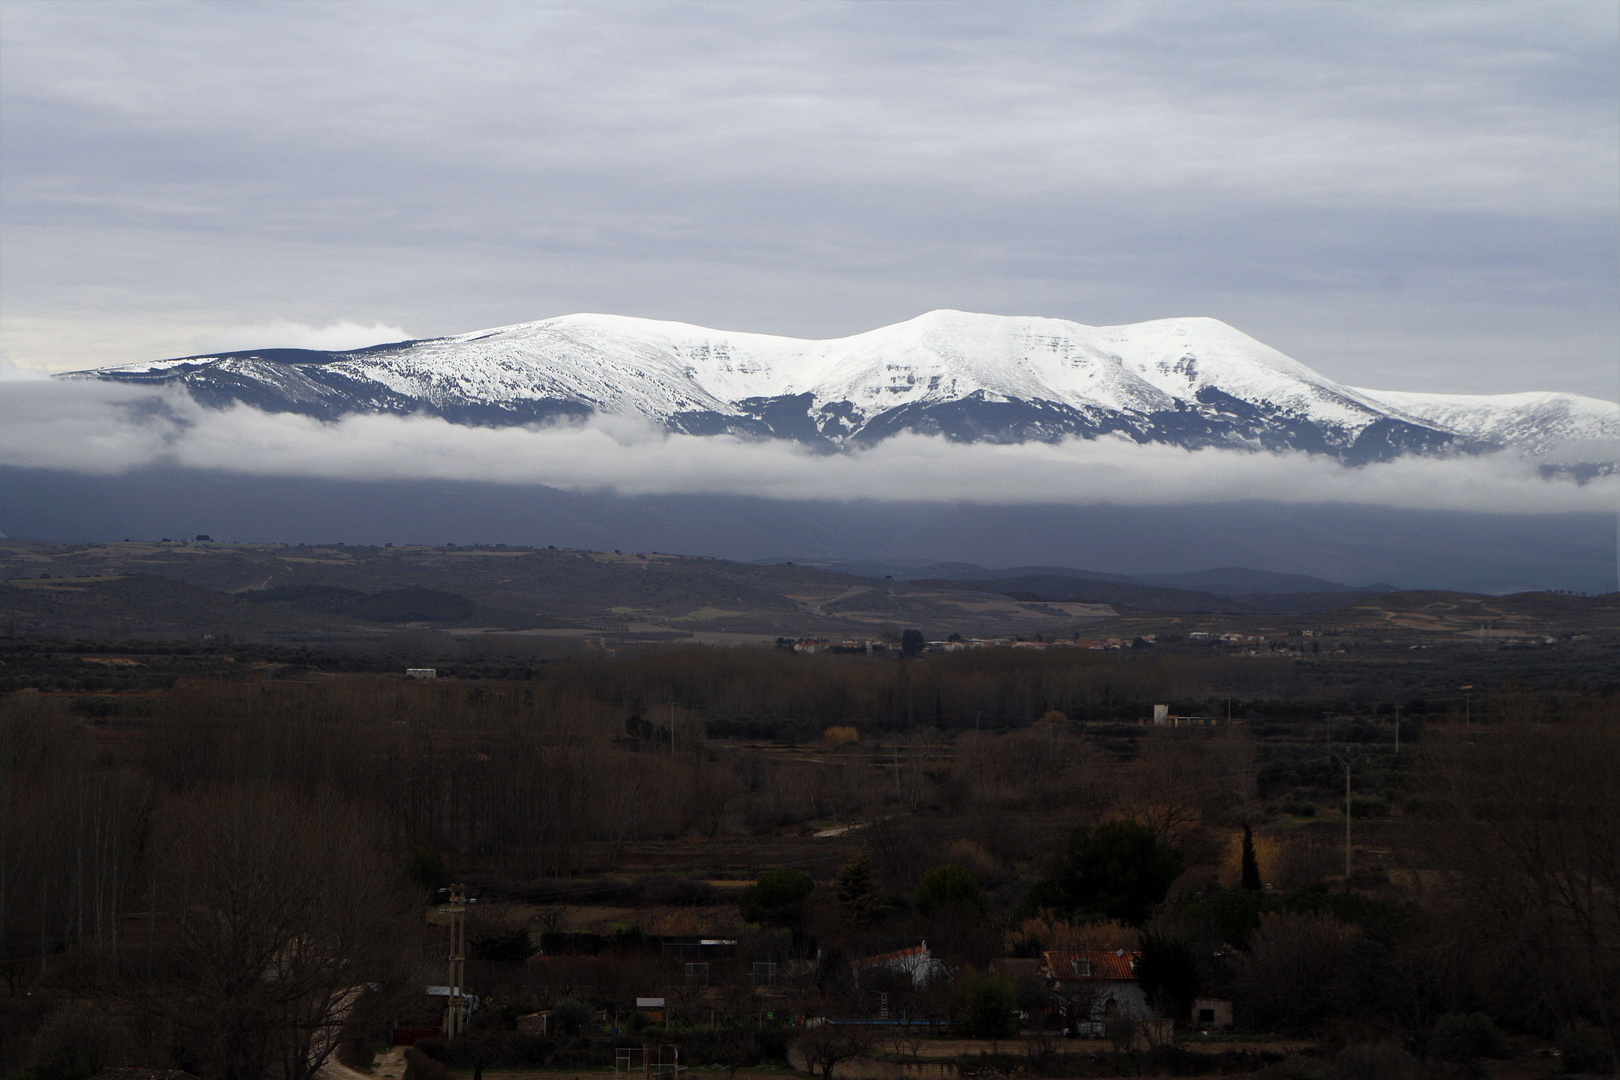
(1211, 1014)
(917, 963)
(1095, 986)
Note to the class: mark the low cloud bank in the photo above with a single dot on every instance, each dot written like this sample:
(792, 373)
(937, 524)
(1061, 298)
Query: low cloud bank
(106, 429)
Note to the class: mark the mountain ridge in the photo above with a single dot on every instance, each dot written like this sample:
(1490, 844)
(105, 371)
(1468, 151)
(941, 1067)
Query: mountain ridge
(1191, 382)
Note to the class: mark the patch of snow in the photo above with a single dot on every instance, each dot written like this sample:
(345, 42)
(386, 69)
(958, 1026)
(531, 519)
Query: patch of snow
(1536, 421)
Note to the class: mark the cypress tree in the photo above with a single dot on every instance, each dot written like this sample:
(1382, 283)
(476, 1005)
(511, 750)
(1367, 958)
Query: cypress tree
(1251, 865)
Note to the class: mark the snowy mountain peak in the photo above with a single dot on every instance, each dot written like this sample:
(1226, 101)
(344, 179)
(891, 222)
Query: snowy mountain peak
(963, 375)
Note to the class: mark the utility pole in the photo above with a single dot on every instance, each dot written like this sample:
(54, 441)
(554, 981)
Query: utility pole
(1397, 728)
(1468, 704)
(671, 729)
(455, 1019)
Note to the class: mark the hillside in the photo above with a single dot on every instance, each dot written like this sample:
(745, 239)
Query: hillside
(344, 592)
(289, 591)
(1393, 623)
(145, 606)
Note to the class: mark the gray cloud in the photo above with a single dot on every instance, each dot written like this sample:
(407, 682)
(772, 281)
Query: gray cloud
(109, 428)
(1414, 196)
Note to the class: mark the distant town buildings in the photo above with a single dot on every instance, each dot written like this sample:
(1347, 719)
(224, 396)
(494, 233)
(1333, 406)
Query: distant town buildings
(870, 646)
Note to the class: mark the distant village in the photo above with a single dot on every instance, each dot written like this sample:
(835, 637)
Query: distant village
(957, 643)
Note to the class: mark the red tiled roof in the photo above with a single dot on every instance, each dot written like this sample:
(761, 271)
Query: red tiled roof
(898, 954)
(1112, 965)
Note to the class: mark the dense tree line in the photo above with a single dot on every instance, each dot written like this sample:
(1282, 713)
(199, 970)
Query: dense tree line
(223, 868)
(232, 925)
(981, 688)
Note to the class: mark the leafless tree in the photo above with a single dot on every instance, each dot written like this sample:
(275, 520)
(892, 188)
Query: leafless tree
(550, 918)
(1177, 782)
(289, 927)
(1528, 838)
(1291, 962)
(736, 1045)
(825, 1045)
(68, 828)
(715, 791)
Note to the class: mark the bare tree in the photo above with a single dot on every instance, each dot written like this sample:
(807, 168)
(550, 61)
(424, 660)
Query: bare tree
(825, 1045)
(1529, 839)
(735, 1046)
(290, 928)
(67, 830)
(1175, 783)
(1291, 963)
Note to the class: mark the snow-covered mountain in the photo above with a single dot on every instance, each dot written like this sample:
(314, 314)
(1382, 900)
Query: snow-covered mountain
(1538, 422)
(1190, 382)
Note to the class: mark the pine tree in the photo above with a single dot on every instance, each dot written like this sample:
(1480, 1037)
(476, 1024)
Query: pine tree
(855, 887)
(1251, 865)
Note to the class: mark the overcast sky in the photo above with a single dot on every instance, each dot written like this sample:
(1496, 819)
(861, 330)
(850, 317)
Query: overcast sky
(1408, 196)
